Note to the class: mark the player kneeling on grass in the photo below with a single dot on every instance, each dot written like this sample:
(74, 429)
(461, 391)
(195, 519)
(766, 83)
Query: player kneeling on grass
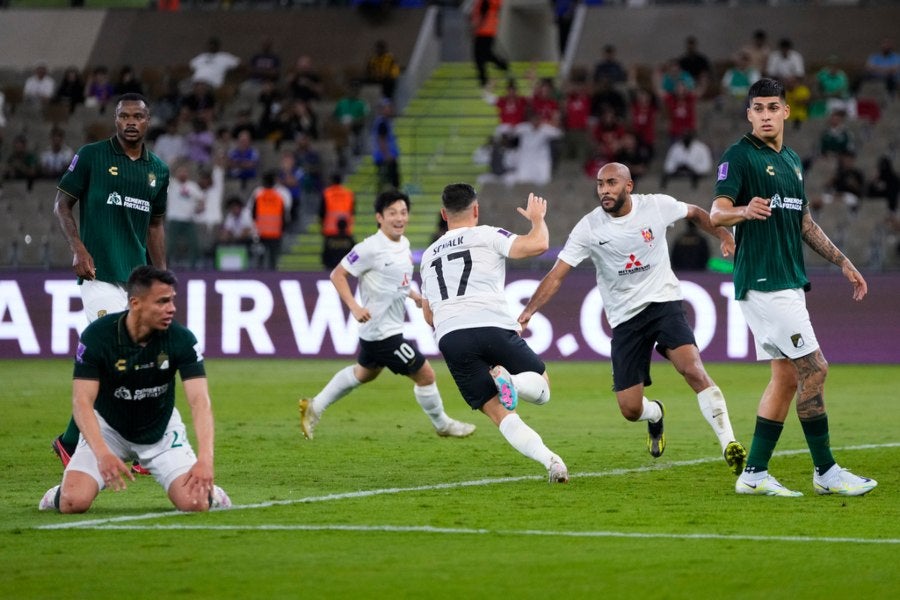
(625, 239)
(123, 400)
(383, 263)
(463, 281)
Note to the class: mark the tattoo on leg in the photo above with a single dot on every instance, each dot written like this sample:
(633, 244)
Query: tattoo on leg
(810, 407)
(812, 370)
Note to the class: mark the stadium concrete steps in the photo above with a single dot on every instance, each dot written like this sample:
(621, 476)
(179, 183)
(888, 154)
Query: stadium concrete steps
(438, 132)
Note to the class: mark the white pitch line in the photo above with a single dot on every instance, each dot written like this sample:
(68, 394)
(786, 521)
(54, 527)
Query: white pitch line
(100, 523)
(526, 532)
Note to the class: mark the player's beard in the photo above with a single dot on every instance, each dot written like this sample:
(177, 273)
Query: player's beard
(617, 206)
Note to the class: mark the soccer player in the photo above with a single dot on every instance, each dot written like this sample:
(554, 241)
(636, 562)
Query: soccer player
(383, 264)
(759, 191)
(121, 188)
(625, 239)
(463, 277)
(123, 400)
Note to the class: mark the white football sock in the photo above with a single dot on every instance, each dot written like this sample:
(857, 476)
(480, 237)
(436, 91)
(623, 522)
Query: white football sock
(715, 411)
(429, 398)
(525, 439)
(652, 411)
(531, 387)
(343, 382)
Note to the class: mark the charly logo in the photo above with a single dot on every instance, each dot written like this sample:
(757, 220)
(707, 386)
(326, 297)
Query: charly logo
(114, 198)
(113, 171)
(770, 170)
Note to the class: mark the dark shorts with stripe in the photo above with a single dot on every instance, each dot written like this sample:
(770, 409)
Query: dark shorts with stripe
(395, 353)
(663, 324)
(471, 353)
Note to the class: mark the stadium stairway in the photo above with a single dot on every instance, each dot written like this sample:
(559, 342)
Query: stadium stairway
(438, 132)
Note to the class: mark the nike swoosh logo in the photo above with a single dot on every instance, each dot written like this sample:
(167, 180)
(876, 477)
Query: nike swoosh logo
(751, 485)
(601, 243)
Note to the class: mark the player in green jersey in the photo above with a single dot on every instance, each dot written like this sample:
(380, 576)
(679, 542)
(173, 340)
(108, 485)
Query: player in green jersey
(123, 399)
(759, 190)
(121, 190)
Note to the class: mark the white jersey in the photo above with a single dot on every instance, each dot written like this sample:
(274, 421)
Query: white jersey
(630, 254)
(464, 278)
(384, 269)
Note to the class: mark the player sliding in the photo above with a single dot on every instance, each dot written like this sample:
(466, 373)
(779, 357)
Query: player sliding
(625, 239)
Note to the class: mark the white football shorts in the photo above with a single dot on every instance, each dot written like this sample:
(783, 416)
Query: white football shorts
(101, 298)
(166, 460)
(780, 324)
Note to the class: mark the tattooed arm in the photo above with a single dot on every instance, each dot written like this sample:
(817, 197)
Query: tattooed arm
(816, 239)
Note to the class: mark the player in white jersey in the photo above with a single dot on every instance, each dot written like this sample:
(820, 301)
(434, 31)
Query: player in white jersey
(625, 239)
(383, 264)
(463, 281)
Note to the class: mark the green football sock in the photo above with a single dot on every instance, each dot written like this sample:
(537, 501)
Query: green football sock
(70, 436)
(765, 437)
(819, 442)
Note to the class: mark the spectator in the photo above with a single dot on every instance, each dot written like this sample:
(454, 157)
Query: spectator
(57, 157)
(836, 139)
(608, 133)
(200, 141)
(385, 151)
(243, 160)
(383, 69)
(335, 247)
(128, 82)
(739, 77)
(309, 161)
(39, 87)
(511, 107)
(269, 215)
(184, 205)
(607, 96)
(643, 111)
(237, 226)
(500, 155)
(212, 184)
(300, 119)
(690, 251)
(544, 101)
(633, 155)
(564, 15)
(199, 103)
(884, 65)
(885, 183)
(305, 83)
(535, 158)
(99, 91)
(798, 95)
(695, 64)
(834, 87)
(576, 119)
(785, 62)
(271, 100)
(688, 157)
(22, 163)
(681, 111)
(485, 19)
(243, 121)
(847, 185)
(669, 75)
(265, 65)
(758, 50)
(212, 66)
(290, 176)
(609, 67)
(71, 89)
(351, 113)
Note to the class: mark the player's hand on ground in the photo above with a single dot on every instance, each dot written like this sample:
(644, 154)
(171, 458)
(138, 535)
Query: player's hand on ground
(535, 208)
(83, 264)
(199, 481)
(757, 209)
(112, 469)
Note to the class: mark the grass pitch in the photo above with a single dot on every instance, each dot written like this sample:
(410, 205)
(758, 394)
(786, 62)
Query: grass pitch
(377, 506)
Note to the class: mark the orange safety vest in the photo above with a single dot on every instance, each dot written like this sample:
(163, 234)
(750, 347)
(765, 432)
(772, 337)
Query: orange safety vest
(269, 214)
(486, 27)
(338, 202)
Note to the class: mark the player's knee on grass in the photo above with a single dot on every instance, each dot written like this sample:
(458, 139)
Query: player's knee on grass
(77, 493)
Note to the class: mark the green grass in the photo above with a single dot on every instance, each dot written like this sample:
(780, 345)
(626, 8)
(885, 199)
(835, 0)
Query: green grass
(626, 526)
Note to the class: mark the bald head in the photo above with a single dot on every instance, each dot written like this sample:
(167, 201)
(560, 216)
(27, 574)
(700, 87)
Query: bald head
(614, 169)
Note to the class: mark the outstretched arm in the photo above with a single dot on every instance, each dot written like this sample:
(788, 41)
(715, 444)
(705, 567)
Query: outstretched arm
(546, 289)
(701, 218)
(536, 241)
(816, 239)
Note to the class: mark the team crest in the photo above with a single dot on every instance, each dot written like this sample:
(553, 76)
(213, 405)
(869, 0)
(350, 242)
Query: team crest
(151, 179)
(163, 361)
(647, 234)
(797, 340)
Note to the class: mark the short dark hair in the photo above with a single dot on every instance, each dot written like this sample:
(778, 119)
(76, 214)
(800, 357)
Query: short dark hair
(458, 196)
(385, 199)
(142, 278)
(764, 88)
(133, 97)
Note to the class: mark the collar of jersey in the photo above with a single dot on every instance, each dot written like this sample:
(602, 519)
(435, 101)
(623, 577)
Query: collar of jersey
(118, 149)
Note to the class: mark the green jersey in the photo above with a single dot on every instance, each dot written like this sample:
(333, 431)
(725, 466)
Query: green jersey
(117, 197)
(769, 253)
(137, 382)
